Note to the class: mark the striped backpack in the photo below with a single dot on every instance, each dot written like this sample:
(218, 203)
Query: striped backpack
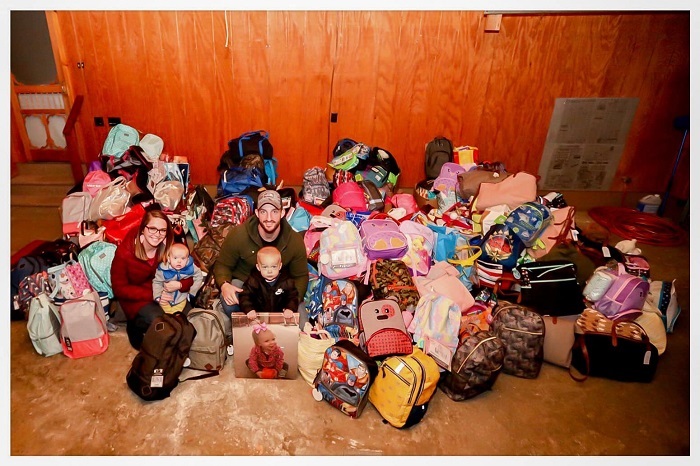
(96, 261)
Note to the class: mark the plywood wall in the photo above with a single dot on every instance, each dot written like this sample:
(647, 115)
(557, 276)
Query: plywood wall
(395, 79)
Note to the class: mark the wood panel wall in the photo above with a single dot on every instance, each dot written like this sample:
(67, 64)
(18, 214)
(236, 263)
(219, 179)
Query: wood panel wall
(396, 79)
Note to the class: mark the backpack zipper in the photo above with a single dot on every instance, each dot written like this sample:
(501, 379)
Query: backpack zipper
(472, 352)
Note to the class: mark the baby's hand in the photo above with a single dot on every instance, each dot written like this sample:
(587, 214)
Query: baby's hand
(288, 314)
(252, 315)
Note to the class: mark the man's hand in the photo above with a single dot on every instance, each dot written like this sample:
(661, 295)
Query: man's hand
(172, 286)
(228, 293)
(252, 315)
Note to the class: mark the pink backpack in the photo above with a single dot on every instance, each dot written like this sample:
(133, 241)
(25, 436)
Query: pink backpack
(94, 180)
(447, 181)
(406, 201)
(443, 279)
(625, 297)
(83, 327)
(382, 239)
(341, 254)
(351, 196)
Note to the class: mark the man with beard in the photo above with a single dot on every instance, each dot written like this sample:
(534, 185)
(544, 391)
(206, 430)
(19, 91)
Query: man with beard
(239, 251)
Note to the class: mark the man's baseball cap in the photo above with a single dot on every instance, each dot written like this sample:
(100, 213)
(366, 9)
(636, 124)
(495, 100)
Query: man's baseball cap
(270, 197)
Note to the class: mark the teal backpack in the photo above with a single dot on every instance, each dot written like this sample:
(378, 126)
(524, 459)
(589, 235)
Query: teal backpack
(96, 260)
(119, 139)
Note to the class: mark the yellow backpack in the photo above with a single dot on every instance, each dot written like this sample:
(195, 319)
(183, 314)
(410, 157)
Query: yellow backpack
(403, 388)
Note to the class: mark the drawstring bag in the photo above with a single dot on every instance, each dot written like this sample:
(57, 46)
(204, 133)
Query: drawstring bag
(312, 346)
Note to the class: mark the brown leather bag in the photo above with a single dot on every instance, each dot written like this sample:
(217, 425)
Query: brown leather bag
(468, 183)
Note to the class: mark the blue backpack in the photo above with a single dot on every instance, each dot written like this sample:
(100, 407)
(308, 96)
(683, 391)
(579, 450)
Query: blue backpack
(501, 246)
(235, 180)
(96, 260)
(528, 221)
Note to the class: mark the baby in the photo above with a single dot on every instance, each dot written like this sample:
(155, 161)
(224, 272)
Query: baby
(269, 288)
(179, 265)
(266, 358)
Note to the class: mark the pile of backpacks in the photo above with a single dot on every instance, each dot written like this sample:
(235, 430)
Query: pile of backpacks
(63, 287)
(471, 275)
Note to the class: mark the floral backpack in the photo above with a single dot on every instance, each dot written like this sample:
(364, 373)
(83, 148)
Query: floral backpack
(68, 281)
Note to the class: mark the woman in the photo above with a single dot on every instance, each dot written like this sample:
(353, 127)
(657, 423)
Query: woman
(133, 268)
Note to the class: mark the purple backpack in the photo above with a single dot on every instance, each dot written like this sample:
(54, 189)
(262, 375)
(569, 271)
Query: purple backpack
(382, 239)
(627, 293)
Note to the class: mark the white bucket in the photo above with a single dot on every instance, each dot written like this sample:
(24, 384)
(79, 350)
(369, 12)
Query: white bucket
(649, 204)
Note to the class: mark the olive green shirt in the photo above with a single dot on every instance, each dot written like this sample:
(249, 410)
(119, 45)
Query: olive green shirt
(239, 252)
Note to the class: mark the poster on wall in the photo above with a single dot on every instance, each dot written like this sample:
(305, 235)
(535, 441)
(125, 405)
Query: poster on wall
(585, 141)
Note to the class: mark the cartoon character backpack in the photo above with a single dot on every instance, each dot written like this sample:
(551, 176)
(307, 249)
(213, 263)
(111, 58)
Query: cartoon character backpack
(382, 329)
(382, 239)
(345, 377)
(421, 242)
(341, 254)
(339, 302)
(501, 246)
(447, 180)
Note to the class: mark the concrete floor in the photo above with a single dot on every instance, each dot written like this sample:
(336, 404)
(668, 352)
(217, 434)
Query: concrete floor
(60, 406)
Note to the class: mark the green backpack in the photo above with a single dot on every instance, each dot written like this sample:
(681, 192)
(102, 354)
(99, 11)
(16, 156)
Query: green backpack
(119, 139)
(96, 260)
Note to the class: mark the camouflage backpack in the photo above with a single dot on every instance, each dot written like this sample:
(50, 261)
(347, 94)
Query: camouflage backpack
(391, 279)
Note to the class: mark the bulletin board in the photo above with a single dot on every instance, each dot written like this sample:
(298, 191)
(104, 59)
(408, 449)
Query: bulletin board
(585, 141)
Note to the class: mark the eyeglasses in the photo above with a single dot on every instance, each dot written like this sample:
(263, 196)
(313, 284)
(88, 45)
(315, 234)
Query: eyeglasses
(153, 231)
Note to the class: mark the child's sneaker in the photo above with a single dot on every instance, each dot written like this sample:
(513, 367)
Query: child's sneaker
(112, 327)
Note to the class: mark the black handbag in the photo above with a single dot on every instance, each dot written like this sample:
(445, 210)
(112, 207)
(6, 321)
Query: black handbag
(550, 287)
(614, 350)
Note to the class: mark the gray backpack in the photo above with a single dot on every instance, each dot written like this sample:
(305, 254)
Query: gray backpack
(437, 153)
(315, 187)
(44, 326)
(208, 350)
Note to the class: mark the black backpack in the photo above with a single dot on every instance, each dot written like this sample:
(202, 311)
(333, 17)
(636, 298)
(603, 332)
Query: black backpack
(252, 142)
(342, 146)
(155, 371)
(475, 366)
(437, 152)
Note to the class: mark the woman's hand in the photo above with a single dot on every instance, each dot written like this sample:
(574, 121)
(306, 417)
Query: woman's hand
(172, 286)
(228, 293)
